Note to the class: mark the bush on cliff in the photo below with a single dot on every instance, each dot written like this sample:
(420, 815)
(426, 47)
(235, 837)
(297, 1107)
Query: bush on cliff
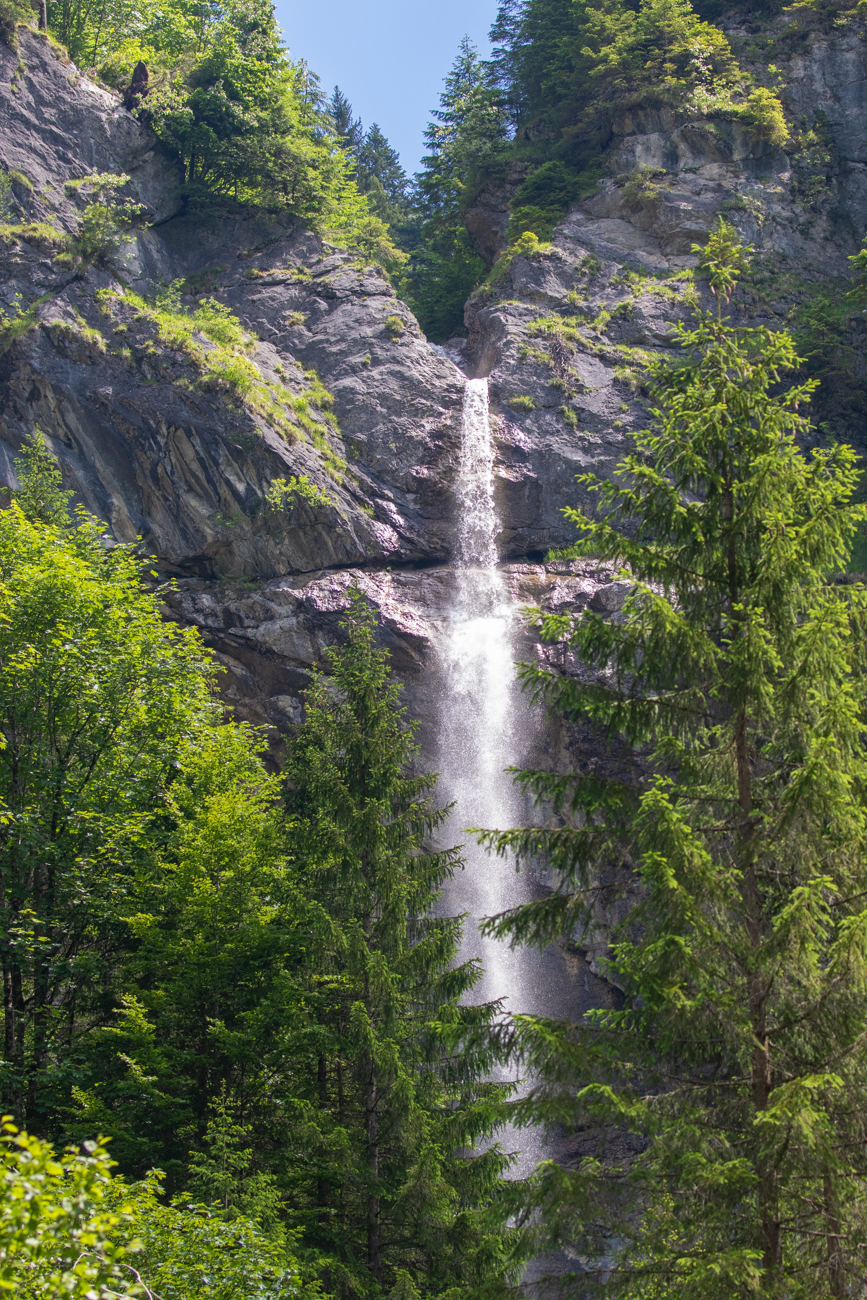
(247, 124)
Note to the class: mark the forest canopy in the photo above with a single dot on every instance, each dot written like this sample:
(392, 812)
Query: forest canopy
(246, 122)
(536, 118)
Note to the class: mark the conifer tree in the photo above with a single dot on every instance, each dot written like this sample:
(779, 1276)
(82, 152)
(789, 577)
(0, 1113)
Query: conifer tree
(41, 495)
(347, 128)
(735, 684)
(398, 1170)
(468, 134)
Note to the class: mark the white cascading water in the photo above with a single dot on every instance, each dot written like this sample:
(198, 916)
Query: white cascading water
(484, 726)
(478, 739)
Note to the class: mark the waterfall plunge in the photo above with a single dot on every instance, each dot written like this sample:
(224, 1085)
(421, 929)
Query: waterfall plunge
(480, 702)
(484, 728)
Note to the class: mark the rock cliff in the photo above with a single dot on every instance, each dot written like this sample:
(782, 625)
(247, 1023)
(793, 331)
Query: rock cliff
(335, 381)
(564, 330)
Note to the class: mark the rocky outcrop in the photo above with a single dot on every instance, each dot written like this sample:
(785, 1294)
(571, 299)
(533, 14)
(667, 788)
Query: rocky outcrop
(565, 332)
(147, 440)
(57, 125)
(161, 442)
(487, 217)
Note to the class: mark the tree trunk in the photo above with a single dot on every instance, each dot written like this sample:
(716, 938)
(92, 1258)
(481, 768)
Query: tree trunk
(17, 1056)
(43, 15)
(374, 1243)
(770, 1232)
(836, 1260)
(41, 998)
(323, 1186)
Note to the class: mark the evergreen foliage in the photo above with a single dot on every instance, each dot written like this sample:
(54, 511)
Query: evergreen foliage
(544, 108)
(247, 123)
(378, 172)
(734, 680)
(400, 1173)
(260, 1003)
(567, 68)
(466, 138)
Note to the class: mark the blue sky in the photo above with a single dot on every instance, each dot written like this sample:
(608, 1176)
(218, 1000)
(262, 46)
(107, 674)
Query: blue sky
(389, 57)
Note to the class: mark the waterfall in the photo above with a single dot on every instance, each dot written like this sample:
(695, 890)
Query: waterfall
(478, 704)
(484, 726)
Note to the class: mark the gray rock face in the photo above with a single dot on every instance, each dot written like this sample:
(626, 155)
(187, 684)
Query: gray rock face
(155, 443)
(57, 126)
(565, 334)
(145, 439)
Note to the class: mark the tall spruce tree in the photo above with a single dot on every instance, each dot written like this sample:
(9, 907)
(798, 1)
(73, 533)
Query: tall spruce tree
(399, 1173)
(467, 136)
(735, 678)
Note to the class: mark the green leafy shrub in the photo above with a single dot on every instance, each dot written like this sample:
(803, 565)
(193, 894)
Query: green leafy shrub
(107, 220)
(217, 323)
(764, 111)
(41, 495)
(283, 494)
(58, 1235)
(191, 1251)
(67, 1228)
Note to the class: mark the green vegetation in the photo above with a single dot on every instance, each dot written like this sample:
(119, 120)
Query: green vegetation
(107, 219)
(470, 130)
(283, 494)
(735, 682)
(13, 13)
(377, 170)
(67, 1228)
(539, 116)
(213, 340)
(235, 976)
(392, 1189)
(522, 403)
(247, 124)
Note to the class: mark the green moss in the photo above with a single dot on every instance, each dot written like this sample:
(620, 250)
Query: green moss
(522, 403)
(40, 234)
(526, 245)
(77, 331)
